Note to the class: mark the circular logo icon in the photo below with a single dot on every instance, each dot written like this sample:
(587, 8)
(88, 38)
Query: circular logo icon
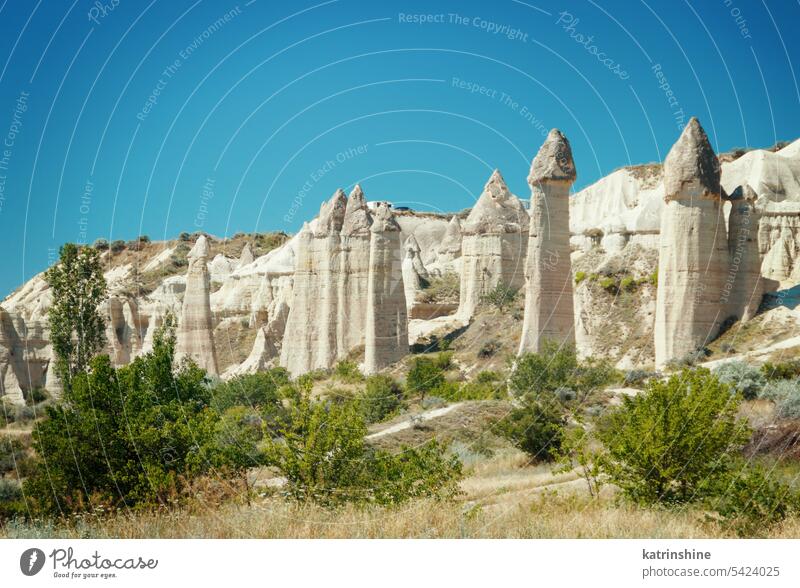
(31, 561)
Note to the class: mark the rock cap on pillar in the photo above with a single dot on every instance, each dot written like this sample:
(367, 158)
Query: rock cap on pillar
(691, 168)
(383, 219)
(356, 217)
(200, 249)
(496, 209)
(553, 162)
(331, 214)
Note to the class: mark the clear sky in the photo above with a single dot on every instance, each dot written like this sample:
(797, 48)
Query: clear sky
(128, 117)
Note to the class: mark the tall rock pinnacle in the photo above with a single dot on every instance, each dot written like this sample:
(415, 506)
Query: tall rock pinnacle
(548, 271)
(494, 239)
(196, 329)
(693, 255)
(386, 320)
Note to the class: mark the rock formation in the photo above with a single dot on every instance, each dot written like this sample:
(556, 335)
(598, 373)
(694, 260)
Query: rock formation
(693, 255)
(414, 272)
(386, 338)
(267, 346)
(11, 376)
(246, 256)
(354, 272)
(548, 270)
(744, 286)
(196, 330)
(450, 247)
(494, 241)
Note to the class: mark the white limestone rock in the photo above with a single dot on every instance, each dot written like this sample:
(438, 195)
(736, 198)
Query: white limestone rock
(693, 256)
(195, 337)
(549, 313)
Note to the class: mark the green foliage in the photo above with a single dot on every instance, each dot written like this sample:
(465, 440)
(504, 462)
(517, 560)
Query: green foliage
(323, 454)
(15, 457)
(117, 246)
(666, 444)
(627, 284)
(501, 296)
(382, 398)
(609, 284)
(536, 427)
(12, 503)
(744, 379)
(424, 375)
(77, 330)
(489, 349)
(237, 436)
(133, 436)
(653, 279)
(556, 366)
(488, 377)
(750, 501)
(579, 451)
(579, 277)
(100, 244)
(784, 370)
(259, 391)
(347, 371)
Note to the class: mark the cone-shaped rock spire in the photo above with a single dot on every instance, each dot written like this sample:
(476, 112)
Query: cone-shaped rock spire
(246, 256)
(693, 256)
(196, 329)
(548, 271)
(494, 240)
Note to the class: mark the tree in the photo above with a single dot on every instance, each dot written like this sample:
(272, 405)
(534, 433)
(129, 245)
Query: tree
(674, 441)
(324, 456)
(536, 427)
(134, 436)
(77, 330)
(425, 375)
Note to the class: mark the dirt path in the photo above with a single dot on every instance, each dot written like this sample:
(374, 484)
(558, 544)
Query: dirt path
(421, 417)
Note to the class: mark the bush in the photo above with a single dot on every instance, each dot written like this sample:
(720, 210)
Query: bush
(138, 435)
(636, 378)
(425, 375)
(556, 366)
(749, 501)
(778, 390)
(785, 370)
(501, 296)
(627, 284)
(536, 427)
(744, 379)
(143, 239)
(324, 457)
(100, 244)
(579, 277)
(666, 444)
(488, 377)
(347, 371)
(489, 349)
(609, 284)
(184, 237)
(117, 246)
(11, 500)
(382, 398)
(259, 391)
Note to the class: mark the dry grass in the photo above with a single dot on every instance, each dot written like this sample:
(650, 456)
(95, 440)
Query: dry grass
(541, 516)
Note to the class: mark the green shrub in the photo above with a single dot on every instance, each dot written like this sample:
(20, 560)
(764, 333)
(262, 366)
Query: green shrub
(653, 279)
(609, 284)
(786, 396)
(324, 457)
(636, 378)
(137, 436)
(785, 370)
(750, 501)
(627, 284)
(488, 377)
(425, 375)
(14, 457)
(501, 296)
(536, 427)
(744, 379)
(666, 444)
(382, 398)
(11, 501)
(117, 246)
(347, 371)
(259, 391)
(489, 349)
(556, 366)
(100, 244)
(579, 277)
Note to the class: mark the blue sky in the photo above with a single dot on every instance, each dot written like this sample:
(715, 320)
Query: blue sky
(155, 117)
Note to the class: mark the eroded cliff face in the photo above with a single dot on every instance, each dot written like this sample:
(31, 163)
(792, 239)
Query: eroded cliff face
(494, 244)
(318, 281)
(548, 269)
